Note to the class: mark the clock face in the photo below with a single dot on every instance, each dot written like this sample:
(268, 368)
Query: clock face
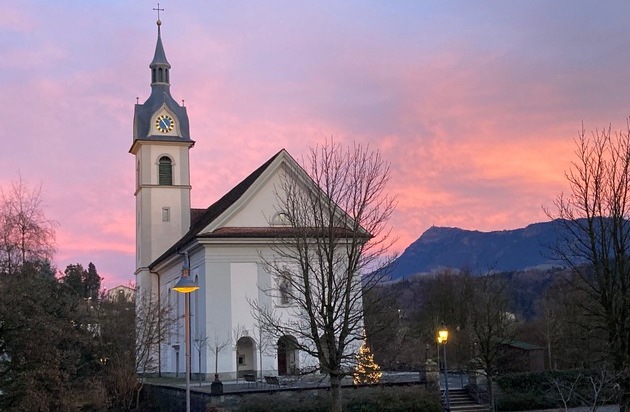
(164, 123)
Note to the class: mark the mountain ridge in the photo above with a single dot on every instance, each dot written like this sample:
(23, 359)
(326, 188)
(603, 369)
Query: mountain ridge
(500, 250)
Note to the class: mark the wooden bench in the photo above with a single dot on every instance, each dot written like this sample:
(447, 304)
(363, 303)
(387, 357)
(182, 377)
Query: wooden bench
(272, 380)
(250, 378)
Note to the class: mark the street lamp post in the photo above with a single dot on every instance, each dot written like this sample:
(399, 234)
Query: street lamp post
(186, 285)
(443, 339)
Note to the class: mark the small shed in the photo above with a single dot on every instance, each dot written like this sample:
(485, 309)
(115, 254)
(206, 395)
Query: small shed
(519, 356)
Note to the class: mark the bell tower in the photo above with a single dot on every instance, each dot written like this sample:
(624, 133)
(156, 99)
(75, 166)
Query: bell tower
(161, 145)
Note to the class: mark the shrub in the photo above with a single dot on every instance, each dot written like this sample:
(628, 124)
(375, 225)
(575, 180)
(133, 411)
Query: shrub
(375, 399)
(527, 391)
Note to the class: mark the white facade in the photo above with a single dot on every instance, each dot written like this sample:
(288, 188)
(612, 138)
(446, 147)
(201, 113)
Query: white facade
(225, 244)
(230, 274)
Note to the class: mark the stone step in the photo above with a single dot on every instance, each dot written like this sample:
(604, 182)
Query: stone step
(460, 401)
(473, 408)
(464, 397)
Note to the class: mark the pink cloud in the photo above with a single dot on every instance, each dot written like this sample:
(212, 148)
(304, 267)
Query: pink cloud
(475, 106)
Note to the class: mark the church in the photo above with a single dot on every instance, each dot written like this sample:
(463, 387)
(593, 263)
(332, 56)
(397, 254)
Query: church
(224, 244)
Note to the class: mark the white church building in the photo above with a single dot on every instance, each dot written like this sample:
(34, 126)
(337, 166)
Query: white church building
(225, 243)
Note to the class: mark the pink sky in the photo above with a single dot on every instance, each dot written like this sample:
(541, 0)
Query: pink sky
(475, 103)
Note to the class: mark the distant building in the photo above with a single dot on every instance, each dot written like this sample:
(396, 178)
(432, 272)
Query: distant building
(121, 292)
(518, 356)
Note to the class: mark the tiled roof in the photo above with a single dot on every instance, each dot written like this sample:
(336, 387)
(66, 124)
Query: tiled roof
(215, 210)
(195, 215)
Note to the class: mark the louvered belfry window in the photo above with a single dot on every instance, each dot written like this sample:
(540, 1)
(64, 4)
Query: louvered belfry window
(165, 172)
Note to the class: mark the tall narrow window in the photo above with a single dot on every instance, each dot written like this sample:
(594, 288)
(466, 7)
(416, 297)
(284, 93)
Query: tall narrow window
(138, 174)
(166, 214)
(165, 172)
(284, 287)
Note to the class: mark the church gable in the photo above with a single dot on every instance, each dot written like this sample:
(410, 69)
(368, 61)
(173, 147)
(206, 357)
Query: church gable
(204, 221)
(250, 209)
(257, 208)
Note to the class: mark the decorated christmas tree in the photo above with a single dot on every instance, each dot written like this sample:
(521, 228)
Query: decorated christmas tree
(367, 371)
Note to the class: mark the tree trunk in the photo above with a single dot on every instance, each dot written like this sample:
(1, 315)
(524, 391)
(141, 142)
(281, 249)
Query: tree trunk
(624, 402)
(490, 394)
(138, 389)
(335, 393)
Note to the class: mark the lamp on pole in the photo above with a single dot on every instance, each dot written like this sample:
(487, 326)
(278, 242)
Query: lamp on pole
(443, 339)
(186, 285)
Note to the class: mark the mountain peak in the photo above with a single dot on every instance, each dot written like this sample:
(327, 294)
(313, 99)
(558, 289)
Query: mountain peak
(504, 250)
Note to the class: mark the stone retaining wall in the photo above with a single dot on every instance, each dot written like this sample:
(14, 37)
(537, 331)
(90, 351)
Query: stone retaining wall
(169, 398)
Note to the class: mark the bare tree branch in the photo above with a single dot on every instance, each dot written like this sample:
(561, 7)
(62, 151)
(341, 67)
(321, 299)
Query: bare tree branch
(593, 217)
(336, 250)
(25, 232)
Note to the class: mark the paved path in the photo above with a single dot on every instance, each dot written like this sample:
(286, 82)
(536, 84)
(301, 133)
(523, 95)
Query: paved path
(286, 382)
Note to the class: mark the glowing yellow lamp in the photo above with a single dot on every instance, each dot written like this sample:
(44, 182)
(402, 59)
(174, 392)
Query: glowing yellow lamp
(443, 334)
(185, 285)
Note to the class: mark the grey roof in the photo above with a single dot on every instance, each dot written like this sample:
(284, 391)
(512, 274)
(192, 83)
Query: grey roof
(160, 94)
(159, 58)
(523, 345)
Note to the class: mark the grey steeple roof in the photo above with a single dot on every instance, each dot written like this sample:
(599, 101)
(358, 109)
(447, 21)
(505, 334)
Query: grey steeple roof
(159, 58)
(160, 96)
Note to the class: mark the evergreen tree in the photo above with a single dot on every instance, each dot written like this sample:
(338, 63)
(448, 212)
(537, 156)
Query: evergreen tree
(366, 371)
(47, 359)
(73, 277)
(86, 283)
(92, 282)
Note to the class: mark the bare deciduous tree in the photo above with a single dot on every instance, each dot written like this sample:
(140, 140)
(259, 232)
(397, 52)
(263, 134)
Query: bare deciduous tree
(216, 345)
(565, 390)
(491, 324)
(592, 389)
(333, 251)
(153, 325)
(25, 232)
(596, 245)
(200, 342)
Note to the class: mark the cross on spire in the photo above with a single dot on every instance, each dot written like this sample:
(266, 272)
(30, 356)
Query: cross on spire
(158, 9)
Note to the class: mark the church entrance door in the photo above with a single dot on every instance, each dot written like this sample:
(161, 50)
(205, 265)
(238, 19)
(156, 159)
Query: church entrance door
(245, 362)
(287, 356)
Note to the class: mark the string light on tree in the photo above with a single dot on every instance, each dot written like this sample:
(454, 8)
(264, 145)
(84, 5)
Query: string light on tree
(367, 371)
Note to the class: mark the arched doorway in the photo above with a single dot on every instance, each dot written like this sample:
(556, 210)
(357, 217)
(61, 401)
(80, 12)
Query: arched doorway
(245, 361)
(288, 356)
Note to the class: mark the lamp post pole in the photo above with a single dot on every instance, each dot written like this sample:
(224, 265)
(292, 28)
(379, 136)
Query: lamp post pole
(442, 339)
(186, 285)
(187, 332)
(448, 403)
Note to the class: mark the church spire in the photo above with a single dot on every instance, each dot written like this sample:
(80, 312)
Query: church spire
(160, 117)
(160, 67)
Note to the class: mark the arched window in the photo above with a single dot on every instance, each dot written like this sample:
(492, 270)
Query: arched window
(165, 171)
(280, 219)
